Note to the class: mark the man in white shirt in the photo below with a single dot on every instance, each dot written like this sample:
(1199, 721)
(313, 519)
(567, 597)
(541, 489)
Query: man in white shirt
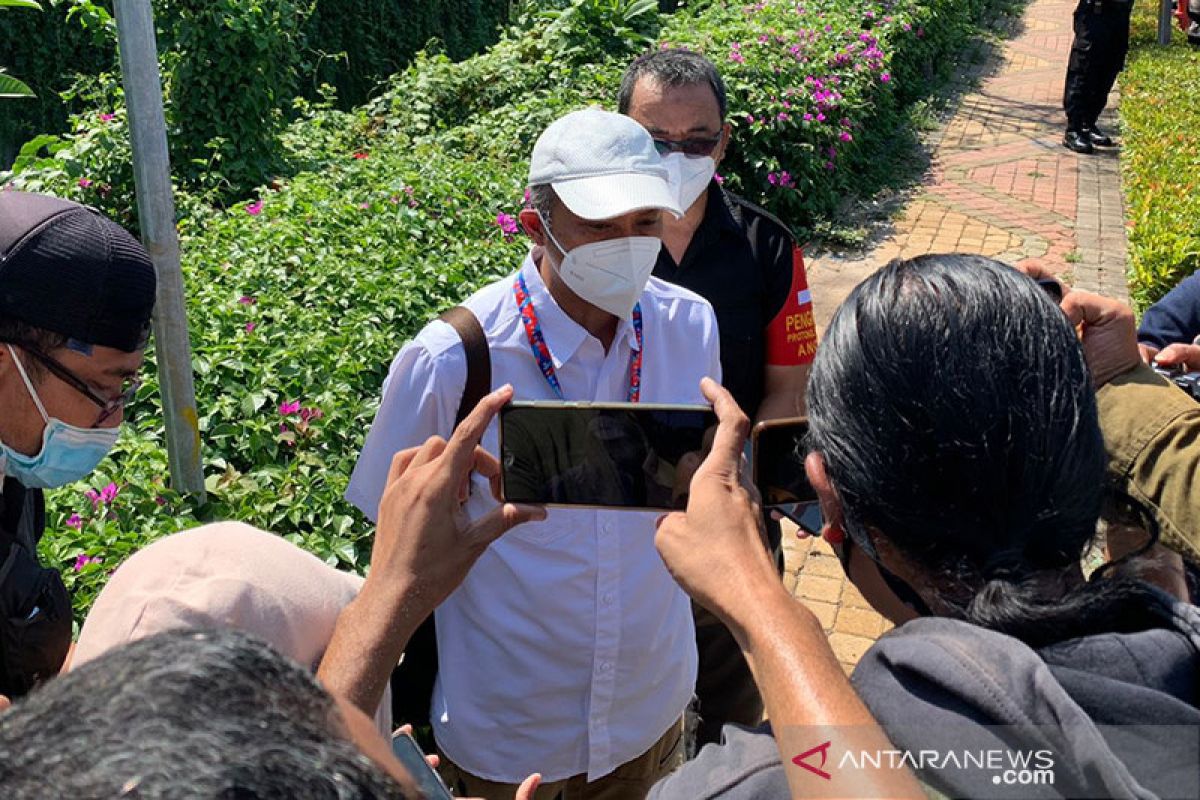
(568, 650)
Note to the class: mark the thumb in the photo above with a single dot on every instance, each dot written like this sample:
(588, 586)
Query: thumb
(501, 519)
(528, 787)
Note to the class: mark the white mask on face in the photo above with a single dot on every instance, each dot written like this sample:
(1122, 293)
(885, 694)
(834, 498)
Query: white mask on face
(610, 275)
(689, 176)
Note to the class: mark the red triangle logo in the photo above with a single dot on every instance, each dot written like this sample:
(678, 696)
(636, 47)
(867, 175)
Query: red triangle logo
(823, 749)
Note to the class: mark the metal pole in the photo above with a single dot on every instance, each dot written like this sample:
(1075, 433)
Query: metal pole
(156, 214)
(1166, 11)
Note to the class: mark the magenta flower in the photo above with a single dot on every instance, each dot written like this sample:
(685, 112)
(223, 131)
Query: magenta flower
(85, 183)
(771, 179)
(82, 560)
(845, 136)
(75, 521)
(250, 326)
(255, 208)
(718, 177)
(308, 414)
(247, 300)
(107, 117)
(885, 77)
(109, 493)
(808, 117)
(507, 224)
(94, 496)
(786, 181)
(289, 408)
(736, 57)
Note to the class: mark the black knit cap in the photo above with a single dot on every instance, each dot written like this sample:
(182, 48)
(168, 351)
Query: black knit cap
(67, 269)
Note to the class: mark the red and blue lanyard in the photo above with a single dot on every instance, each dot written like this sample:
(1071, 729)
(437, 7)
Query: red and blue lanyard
(541, 352)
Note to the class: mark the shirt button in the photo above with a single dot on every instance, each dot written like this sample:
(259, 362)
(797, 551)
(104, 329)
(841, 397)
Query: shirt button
(608, 599)
(605, 666)
(607, 527)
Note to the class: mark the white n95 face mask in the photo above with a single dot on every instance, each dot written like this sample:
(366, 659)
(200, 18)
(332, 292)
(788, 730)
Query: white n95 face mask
(689, 176)
(610, 275)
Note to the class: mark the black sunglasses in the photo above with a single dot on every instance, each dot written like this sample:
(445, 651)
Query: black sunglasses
(689, 147)
(107, 407)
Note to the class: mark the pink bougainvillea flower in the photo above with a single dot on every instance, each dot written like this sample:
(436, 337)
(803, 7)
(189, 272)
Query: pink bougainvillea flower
(75, 521)
(94, 496)
(106, 117)
(786, 181)
(83, 560)
(292, 407)
(309, 414)
(845, 136)
(247, 300)
(507, 224)
(85, 183)
(737, 57)
(718, 177)
(771, 179)
(808, 117)
(109, 493)
(250, 326)
(364, 206)
(255, 208)
(885, 77)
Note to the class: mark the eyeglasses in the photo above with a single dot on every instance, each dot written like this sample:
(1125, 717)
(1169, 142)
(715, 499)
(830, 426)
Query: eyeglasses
(689, 147)
(107, 407)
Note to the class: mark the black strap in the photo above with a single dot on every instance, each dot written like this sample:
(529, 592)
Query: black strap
(479, 360)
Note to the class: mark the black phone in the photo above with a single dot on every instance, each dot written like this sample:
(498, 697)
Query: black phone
(408, 753)
(778, 450)
(602, 455)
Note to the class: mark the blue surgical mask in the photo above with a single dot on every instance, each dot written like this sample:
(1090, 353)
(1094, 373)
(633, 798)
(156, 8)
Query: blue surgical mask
(68, 453)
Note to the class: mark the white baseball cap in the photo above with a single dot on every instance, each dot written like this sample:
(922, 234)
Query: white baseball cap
(602, 165)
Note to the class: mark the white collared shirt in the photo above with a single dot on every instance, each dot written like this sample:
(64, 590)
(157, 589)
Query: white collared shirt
(568, 649)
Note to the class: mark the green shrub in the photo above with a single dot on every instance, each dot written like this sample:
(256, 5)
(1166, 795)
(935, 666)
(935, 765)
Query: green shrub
(1160, 159)
(299, 299)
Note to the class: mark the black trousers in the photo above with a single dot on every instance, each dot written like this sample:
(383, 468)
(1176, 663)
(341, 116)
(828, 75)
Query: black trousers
(1097, 57)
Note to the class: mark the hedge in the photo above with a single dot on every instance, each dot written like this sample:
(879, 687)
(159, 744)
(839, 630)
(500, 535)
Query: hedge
(300, 295)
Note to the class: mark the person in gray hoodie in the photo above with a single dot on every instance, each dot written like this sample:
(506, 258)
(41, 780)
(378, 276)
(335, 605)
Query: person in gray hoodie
(957, 453)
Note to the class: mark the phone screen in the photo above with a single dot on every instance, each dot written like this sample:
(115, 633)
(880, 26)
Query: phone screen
(408, 752)
(619, 455)
(779, 453)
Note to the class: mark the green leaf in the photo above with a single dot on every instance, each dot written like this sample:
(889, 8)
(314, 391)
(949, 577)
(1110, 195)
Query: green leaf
(21, 4)
(11, 87)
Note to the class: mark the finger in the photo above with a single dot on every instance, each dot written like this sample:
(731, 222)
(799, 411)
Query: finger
(1147, 352)
(5, 703)
(433, 761)
(1175, 355)
(528, 787)
(406, 728)
(469, 432)
(733, 425)
(433, 448)
(1035, 269)
(1094, 309)
(496, 522)
(400, 464)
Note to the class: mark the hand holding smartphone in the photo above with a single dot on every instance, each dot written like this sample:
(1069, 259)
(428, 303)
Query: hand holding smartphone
(408, 753)
(778, 449)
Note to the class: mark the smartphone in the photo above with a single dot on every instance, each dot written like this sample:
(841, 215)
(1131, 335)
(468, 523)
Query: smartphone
(408, 752)
(602, 455)
(778, 451)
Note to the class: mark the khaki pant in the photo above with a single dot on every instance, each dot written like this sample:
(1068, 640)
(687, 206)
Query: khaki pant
(630, 781)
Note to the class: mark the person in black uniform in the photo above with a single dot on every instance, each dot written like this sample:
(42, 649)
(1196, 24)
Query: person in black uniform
(76, 294)
(1097, 57)
(747, 264)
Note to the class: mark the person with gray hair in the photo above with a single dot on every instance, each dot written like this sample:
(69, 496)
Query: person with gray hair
(747, 264)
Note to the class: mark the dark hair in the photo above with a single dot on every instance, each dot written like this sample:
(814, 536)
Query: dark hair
(672, 67)
(204, 714)
(957, 419)
(14, 331)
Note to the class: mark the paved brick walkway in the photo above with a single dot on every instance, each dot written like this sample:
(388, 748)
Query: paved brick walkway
(1000, 184)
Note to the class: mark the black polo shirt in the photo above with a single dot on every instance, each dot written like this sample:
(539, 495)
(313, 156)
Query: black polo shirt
(740, 260)
(22, 516)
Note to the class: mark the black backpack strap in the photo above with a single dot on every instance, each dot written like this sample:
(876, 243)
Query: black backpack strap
(479, 360)
(412, 681)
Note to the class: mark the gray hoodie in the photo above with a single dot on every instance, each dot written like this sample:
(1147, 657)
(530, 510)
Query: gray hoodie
(941, 683)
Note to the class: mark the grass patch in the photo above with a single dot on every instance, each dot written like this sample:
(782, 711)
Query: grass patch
(1160, 162)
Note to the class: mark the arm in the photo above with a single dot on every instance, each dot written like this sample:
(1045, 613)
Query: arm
(424, 546)
(715, 553)
(1150, 427)
(1174, 318)
(791, 336)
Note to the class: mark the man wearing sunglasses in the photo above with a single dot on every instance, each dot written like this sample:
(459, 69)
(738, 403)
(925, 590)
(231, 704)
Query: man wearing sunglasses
(747, 264)
(76, 294)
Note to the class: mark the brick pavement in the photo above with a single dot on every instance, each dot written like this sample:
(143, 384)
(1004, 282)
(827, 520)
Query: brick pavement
(999, 184)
